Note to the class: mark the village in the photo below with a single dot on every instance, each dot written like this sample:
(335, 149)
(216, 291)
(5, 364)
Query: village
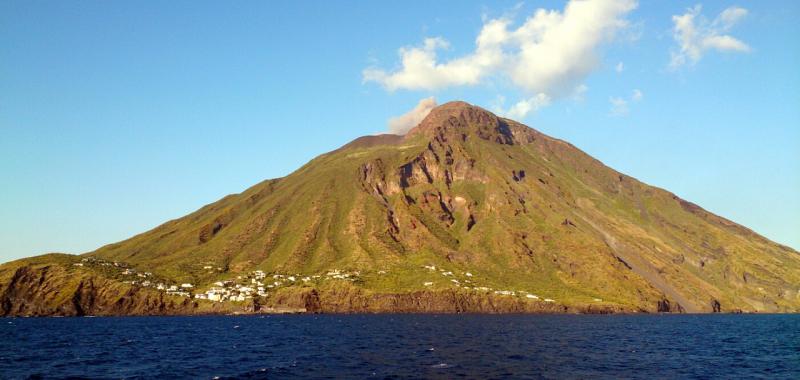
(132, 276)
(259, 283)
(468, 284)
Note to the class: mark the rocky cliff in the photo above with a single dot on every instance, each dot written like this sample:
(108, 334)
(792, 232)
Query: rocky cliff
(54, 290)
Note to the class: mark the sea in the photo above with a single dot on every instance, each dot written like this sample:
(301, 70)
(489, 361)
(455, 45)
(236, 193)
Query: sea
(403, 347)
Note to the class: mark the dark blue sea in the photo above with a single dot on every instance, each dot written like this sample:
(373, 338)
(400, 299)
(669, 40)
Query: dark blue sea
(404, 346)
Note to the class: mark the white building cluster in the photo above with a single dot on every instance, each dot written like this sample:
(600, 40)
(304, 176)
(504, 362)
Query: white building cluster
(468, 284)
(258, 284)
(131, 275)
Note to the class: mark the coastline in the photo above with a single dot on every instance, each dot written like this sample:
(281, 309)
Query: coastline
(50, 290)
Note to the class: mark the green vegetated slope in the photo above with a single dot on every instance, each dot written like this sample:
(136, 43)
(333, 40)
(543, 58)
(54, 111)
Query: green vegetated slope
(468, 192)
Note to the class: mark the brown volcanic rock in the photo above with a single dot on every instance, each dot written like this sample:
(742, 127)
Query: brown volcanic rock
(459, 120)
(52, 290)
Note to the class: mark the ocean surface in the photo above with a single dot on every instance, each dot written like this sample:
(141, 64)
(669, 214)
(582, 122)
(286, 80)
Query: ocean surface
(404, 346)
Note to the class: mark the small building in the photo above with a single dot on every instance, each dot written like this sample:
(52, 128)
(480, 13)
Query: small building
(213, 295)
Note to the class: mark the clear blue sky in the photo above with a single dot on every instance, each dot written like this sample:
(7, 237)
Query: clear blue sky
(118, 116)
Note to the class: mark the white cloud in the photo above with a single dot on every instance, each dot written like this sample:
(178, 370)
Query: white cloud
(422, 72)
(523, 107)
(400, 125)
(550, 53)
(558, 50)
(579, 92)
(637, 95)
(695, 34)
(731, 16)
(620, 67)
(621, 106)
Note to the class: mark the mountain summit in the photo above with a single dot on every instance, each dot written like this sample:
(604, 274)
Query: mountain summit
(461, 117)
(467, 212)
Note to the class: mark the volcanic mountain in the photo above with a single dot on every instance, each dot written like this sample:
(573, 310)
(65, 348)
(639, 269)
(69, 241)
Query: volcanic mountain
(468, 212)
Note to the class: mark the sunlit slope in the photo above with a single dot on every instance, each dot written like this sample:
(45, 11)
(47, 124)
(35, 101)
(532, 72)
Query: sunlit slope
(469, 191)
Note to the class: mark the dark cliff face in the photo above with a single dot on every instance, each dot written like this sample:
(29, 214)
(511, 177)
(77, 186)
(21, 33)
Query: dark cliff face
(53, 290)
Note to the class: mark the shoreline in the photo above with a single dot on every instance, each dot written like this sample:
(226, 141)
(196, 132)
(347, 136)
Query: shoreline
(306, 313)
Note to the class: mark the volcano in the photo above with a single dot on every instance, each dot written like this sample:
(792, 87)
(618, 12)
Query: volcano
(468, 212)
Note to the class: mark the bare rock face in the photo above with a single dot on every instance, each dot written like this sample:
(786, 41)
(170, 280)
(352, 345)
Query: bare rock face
(460, 120)
(667, 306)
(52, 290)
(715, 306)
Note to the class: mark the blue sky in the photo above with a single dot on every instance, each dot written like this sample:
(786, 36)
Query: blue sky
(118, 116)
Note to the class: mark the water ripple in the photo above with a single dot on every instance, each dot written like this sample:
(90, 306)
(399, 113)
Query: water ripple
(404, 346)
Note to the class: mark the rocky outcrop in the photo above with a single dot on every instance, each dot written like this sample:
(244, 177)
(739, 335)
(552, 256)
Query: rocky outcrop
(459, 120)
(54, 290)
(716, 307)
(667, 306)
